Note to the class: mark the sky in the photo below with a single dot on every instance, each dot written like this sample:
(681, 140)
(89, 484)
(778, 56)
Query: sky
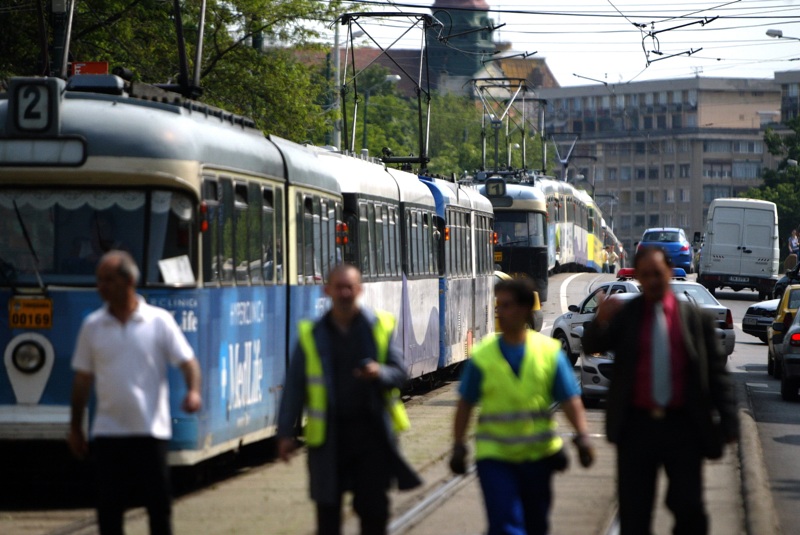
(606, 40)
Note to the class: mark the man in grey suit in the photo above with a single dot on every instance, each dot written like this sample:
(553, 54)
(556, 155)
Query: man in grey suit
(344, 372)
(670, 402)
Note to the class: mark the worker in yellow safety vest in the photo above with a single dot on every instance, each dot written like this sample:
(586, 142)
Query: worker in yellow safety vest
(516, 378)
(345, 373)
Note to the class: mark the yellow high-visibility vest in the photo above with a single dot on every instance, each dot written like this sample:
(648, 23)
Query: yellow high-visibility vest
(515, 422)
(316, 393)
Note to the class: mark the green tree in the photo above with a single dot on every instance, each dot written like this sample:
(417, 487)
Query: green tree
(782, 185)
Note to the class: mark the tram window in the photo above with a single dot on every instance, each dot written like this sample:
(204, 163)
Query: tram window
(211, 256)
(536, 230)
(299, 232)
(317, 265)
(171, 232)
(278, 235)
(240, 234)
(255, 255)
(468, 240)
(363, 239)
(391, 238)
(226, 236)
(382, 240)
(311, 272)
(267, 259)
(374, 268)
(414, 245)
(327, 237)
(448, 260)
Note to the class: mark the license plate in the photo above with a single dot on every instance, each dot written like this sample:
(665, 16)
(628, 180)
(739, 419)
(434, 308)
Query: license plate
(738, 279)
(749, 321)
(30, 313)
(498, 256)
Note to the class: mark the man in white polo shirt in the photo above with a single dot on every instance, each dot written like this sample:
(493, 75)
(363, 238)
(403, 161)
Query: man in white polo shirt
(123, 349)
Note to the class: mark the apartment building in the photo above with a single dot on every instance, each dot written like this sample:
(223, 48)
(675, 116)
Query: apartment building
(657, 152)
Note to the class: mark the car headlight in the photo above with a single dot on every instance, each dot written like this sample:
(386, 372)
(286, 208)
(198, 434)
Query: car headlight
(28, 357)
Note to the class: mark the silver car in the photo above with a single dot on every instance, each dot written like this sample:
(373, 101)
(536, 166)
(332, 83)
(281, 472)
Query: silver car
(698, 295)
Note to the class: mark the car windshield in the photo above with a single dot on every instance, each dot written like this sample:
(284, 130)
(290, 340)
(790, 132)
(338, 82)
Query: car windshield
(695, 292)
(661, 236)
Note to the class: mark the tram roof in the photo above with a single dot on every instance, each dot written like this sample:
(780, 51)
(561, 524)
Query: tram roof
(121, 126)
(304, 166)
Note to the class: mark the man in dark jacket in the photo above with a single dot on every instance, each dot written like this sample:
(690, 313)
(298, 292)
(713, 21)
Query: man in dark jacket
(345, 372)
(670, 402)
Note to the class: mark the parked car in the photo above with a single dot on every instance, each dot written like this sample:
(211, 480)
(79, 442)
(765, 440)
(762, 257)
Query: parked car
(759, 317)
(536, 312)
(787, 310)
(790, 372)
(564, 326)
(674, 243)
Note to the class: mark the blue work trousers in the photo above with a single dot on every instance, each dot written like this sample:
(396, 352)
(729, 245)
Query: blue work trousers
(517, 496)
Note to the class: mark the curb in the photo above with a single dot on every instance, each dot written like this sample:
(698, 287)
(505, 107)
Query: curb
(759, 508)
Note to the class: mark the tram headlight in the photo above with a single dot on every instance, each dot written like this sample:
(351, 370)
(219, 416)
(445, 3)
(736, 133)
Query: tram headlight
(28, 357)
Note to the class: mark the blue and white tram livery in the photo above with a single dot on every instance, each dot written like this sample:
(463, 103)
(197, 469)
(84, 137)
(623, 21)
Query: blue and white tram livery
(391, 237)
(466, 287)
(199, 198)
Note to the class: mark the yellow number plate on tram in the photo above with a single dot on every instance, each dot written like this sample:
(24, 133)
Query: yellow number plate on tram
(30, 313)
(498, 256)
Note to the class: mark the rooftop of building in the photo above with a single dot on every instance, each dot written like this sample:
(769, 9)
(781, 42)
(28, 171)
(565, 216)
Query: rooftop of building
(675, 84)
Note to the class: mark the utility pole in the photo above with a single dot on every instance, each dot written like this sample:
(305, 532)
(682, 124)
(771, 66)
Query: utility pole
(337, 88)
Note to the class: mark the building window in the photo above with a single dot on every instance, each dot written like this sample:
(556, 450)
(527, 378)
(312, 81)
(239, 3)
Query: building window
(684, 170)
(746, 170)
(652, 173)
(669, 146)
(683, 220)
(666, 220)
(639, 198)
(677, 121)
(716, 146)
(625, 222)
(685, 197)
(714, 192)
(652, 221)
(652, 197)
(684, 146)
(669, 195)
(716, 170)
(669, 171)
(638, 221)
(661, 122)
(748, 147)
(598, 174)
(612, 173)
(625, 173)
(640, 173)
(691, 120)
(641, 148)
(647, 123)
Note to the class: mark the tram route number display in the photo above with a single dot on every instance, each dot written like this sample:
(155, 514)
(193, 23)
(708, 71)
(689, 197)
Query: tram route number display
(27, 313)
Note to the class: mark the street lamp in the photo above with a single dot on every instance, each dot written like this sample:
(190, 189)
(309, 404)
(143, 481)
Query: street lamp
(779, 34)
(390, 79)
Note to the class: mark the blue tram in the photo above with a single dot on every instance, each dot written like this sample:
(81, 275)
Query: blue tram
(235, 233)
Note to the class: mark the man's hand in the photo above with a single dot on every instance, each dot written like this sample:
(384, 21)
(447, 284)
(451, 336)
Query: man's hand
(607, 307)
(77, 443)
(585, 450)
(458, 459)
(369, 371)
(286, 447)
(192, 402)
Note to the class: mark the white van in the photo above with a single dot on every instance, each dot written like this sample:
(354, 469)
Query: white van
(740, 249)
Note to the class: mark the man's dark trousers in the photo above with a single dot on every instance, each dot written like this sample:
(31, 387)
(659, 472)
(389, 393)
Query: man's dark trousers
(131, 471)
(644, 445)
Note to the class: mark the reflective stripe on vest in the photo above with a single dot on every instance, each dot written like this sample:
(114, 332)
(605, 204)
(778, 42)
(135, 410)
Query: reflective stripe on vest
(316, 393)
(515, 422)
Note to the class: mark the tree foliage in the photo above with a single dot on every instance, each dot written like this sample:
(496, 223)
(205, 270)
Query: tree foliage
(782, 185)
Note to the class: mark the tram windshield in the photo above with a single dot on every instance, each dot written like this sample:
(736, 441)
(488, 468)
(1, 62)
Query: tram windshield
(69, 230)
(520, 229)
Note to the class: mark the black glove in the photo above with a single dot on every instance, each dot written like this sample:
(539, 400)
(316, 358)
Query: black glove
(458, 459)
(585, 450)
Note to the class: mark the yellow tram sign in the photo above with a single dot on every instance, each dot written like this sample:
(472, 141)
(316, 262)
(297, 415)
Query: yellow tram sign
(498, 256)
(30, 313)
